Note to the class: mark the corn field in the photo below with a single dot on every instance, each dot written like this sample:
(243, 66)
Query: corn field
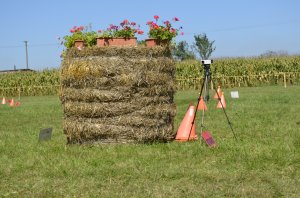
(229, 72)
(241, 72)
(30, 83)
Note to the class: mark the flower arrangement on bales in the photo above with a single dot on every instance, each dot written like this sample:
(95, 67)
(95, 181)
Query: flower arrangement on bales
(123, 34)
(164, 31)
(125, 30)
(79, 33)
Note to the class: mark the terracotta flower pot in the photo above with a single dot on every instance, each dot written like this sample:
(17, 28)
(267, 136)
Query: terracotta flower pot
(79, 44)
(116, 42)
(123, 42)
(101, 42)
(151, 42)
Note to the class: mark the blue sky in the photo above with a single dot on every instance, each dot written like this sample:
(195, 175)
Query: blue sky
(239, 27)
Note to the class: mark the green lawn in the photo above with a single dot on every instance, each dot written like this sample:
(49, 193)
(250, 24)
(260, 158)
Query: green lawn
(263, 162)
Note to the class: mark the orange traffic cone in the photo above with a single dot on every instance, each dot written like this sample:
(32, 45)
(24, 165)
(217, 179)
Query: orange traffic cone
(184, 129)
(219, 92)
(3, 101)
(202, 104)
(219, 105)
(12, 103)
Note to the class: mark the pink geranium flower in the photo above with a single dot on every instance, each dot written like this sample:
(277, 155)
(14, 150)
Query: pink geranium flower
(126, 29)
(175, 19)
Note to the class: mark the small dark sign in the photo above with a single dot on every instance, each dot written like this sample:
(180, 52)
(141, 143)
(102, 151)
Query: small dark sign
(45, 134)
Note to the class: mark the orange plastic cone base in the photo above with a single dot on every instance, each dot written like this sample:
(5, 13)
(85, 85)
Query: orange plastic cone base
(12, 103)
(183, 132)
(219, 106)
(202, 105)
(219, 92)
(3, 101)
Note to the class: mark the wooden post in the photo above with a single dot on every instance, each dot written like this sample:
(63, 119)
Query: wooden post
(234, 81)
(223, 80)
(284, 80)
(19, 90)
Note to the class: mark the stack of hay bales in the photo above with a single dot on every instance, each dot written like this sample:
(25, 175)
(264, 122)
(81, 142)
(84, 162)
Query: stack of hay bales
(118, 95)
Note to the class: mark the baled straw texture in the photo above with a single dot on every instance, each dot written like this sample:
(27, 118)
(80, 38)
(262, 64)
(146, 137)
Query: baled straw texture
(118, 94)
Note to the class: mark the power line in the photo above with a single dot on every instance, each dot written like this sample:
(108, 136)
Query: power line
(245, 27)
(253, 26)
(35, 45)
(11, 46)
(46, 44)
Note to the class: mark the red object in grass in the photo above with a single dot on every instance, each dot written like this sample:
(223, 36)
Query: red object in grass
(208, 139)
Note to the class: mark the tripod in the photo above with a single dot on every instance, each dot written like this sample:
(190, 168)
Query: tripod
(205, 86)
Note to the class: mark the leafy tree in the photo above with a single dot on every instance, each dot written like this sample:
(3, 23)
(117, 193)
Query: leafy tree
(182, 52)
(204, 46)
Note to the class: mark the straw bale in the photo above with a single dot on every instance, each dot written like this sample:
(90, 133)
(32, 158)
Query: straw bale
(109, 75)
(118, 94)
(104, 109)
(137, 79)
(94, 95)
(125, 51)
(167, 89)
(123, 120)
(158, 90)
(78, 132)
(98, 66)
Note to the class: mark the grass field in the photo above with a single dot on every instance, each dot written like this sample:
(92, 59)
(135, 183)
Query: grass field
(263, 162)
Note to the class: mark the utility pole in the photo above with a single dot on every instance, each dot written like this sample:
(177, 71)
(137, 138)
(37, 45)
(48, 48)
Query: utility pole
(26, 54)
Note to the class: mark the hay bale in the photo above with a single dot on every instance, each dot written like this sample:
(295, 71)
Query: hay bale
(118, 94)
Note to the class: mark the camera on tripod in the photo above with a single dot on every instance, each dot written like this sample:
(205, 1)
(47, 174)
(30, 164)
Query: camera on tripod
(207, 62)
(205, 92)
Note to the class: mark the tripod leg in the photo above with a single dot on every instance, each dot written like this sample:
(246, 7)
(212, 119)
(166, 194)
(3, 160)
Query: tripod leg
(195, 114)
(229, 123)
(205, 92)
(206, 87)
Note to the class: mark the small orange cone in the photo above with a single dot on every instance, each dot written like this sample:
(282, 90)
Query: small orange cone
(184, 129)
(12, 103)
(202, 104)
(219, 92)
(3, 101)
(219, 105)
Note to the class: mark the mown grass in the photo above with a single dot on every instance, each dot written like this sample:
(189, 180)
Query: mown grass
(263, 162)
